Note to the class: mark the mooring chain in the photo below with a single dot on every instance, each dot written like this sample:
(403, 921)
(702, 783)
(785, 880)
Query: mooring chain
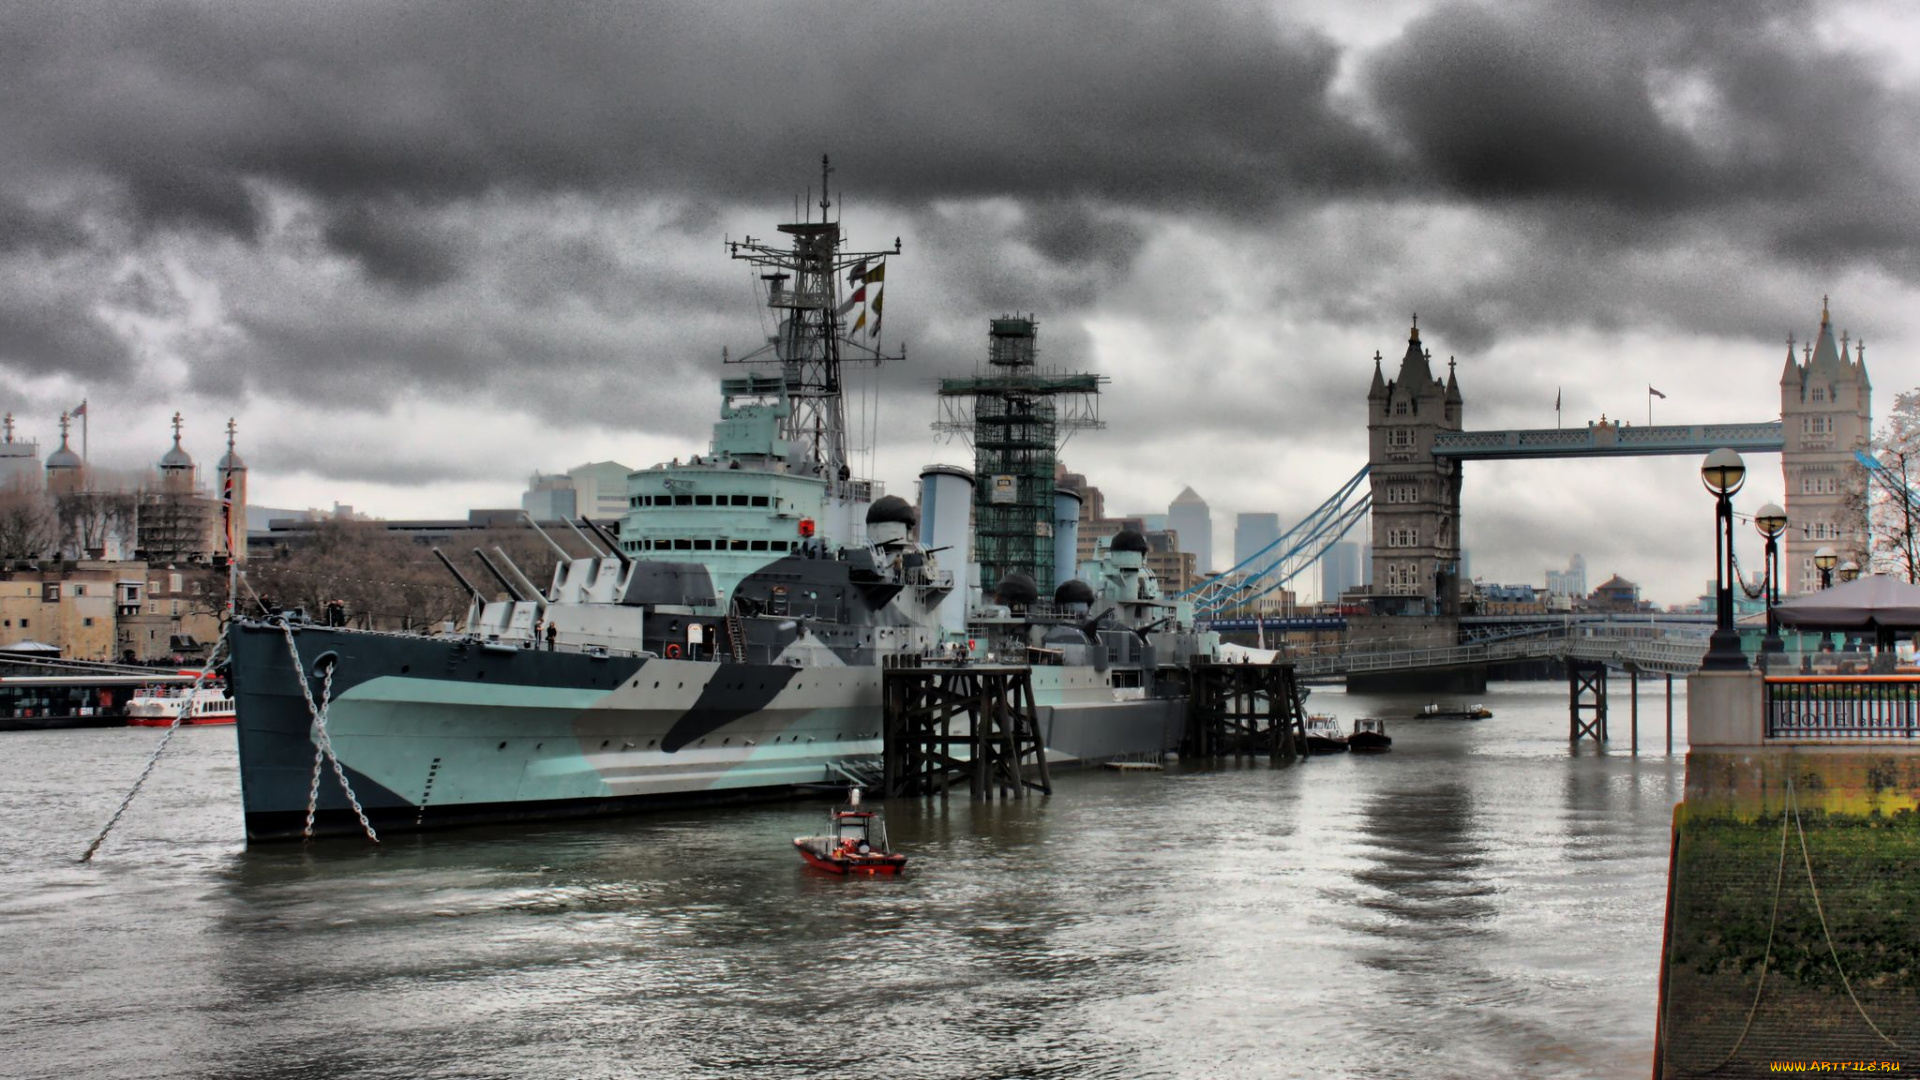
(1790, 815)
(323, 741)
(1819, 910)
(319, 754)
(186, 707)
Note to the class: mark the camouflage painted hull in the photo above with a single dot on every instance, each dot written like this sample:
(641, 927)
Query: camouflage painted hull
(436, 733)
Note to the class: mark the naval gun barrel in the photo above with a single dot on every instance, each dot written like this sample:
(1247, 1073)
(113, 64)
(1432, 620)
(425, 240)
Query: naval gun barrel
(497, 575)
(557, 549)
(455, 571)
(591, 546)
(519, 577)
(603, 534)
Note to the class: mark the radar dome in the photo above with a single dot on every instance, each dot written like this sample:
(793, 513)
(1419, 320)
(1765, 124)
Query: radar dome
(1128, 540)
(892, 508)
(1072, 591)
(1016, 590)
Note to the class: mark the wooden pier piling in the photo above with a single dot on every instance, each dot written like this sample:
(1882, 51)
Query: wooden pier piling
(1586, 694)
(1246, 710)
(976, 721)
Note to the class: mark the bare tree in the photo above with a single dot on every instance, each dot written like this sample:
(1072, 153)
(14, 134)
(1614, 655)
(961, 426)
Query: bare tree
(28, 529)
(85, 519)
(388, 580)
(1890, 498)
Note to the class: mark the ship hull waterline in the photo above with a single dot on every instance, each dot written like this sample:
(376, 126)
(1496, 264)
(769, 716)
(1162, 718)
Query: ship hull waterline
(435, 733)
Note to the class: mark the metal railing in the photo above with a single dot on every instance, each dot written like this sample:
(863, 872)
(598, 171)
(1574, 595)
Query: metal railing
(1675, 654)
(1843, 707)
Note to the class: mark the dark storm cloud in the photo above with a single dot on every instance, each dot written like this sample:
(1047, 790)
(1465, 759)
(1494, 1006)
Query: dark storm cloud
(24, 229)
(1519, 102)
(1127, 102)
(56, 335)
(1619, 122)
(392, 245)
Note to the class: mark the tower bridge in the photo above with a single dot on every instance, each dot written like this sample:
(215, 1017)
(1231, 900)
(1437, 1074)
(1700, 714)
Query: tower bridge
(1418, 443)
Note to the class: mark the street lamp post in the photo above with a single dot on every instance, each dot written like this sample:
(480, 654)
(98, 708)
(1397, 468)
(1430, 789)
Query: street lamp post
(1824, 561)
(1771, 520)
(1723, 472)
(1849, 571)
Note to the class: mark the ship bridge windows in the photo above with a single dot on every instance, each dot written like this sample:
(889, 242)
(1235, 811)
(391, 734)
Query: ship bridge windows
(762, 501)
(696, 544)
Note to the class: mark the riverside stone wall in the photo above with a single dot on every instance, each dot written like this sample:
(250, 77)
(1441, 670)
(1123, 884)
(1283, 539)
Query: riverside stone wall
(1860, 814)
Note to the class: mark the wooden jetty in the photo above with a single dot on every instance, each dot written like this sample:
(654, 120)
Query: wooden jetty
(1246, 710)
(973, 721)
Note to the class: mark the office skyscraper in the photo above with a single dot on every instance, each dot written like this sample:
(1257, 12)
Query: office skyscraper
(1339, 570)
(1251, 532)
(1189, 517)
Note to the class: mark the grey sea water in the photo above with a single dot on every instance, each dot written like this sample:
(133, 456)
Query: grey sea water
(1479, 902)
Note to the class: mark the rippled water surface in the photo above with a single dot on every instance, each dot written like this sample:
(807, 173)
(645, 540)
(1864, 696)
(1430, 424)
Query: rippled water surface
(1479, 902)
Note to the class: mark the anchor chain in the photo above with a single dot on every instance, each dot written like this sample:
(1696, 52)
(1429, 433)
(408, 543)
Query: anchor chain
(186, 706)
(323, 742)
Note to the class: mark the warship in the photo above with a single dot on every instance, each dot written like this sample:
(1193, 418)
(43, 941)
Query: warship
(729, 641)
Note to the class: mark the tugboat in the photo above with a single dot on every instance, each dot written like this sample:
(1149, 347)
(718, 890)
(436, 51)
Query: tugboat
(1324, 735)
(1453, 711)
(856, 843)
(1369, 736)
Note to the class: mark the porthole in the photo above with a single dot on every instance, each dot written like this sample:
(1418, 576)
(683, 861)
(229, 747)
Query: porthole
(502, 746)
(651, 742)
(604, 743)
(404, 668)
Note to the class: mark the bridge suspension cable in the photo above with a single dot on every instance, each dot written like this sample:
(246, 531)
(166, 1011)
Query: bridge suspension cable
(1890, 479)
(1300, 547)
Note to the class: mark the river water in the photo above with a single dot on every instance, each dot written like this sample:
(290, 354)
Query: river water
(1479, 902)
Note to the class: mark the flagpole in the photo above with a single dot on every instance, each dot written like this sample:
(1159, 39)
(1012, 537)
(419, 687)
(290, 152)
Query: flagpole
(84, 421)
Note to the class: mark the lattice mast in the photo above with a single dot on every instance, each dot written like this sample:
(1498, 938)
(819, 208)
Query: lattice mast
(1016, 417)
(802, 286)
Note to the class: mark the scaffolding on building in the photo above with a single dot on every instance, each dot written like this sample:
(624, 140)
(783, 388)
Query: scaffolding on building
(1017, 417)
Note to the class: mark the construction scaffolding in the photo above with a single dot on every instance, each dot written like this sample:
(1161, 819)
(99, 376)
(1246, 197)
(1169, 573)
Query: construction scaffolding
(1016, 417)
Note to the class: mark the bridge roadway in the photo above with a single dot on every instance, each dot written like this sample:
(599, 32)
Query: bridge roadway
(1610, 440)
(1675, 652)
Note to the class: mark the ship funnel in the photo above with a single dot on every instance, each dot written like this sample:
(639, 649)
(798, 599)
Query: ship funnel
(1066, 534)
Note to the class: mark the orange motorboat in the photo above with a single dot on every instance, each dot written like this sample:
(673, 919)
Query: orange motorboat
(856, 842)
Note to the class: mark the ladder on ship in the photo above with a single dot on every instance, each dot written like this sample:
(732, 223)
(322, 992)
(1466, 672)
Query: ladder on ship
(737, 635)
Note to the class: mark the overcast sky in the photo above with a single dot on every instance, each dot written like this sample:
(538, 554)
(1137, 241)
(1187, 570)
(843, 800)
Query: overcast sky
(422, 250)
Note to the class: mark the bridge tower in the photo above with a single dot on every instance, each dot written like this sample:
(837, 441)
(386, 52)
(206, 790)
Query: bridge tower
(1416, 496)
(1826, 414)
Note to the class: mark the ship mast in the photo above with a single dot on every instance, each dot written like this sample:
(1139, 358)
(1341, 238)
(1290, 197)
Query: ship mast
(803, 290)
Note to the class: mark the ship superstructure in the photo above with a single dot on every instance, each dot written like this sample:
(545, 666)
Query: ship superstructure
(730, 642)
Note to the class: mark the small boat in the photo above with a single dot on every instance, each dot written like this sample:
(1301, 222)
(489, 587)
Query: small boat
(1369, 736)
(856, 842)
(1453, 711)
(157, 706)
(1324, 735)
